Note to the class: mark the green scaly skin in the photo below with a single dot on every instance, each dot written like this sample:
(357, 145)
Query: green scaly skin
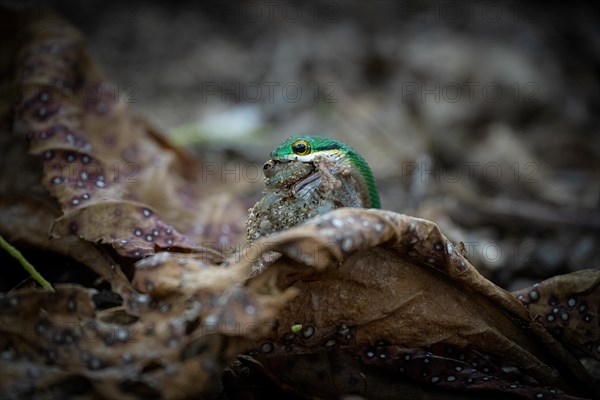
(322, 146)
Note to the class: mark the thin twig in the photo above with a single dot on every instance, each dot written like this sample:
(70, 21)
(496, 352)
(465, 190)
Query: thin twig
(26, 264)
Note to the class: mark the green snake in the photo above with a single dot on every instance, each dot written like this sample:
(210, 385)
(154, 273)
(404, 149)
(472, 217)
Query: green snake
(308, 176)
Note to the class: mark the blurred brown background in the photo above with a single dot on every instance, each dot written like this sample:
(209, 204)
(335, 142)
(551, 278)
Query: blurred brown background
(482, 117)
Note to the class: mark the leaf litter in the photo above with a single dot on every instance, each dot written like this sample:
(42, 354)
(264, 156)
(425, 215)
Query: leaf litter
(365, 302)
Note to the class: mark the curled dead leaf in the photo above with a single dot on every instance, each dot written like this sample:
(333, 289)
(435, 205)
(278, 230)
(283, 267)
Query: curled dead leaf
(392, 289)
(172, 340)
(115, 178)
(567, 306)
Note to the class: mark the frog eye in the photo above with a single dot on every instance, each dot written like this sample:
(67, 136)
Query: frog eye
(301, 147)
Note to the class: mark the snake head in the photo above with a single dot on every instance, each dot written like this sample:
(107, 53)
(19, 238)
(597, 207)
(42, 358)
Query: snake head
(311, 149)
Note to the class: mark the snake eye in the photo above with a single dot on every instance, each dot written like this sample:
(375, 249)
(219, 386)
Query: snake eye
(301, 147)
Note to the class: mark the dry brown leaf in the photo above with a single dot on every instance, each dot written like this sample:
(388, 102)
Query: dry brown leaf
(116, 180)
(27, 218)
(172, 342)
(567, 306)
(389, 288)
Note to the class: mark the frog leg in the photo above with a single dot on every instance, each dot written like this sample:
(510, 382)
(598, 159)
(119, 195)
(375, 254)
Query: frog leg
(305, 187)
(328, 169)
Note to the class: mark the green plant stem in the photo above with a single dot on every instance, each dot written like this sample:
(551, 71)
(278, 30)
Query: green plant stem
(28, 267)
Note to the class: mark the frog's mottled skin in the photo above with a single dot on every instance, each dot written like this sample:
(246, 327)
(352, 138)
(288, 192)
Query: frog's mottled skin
(301, 187)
